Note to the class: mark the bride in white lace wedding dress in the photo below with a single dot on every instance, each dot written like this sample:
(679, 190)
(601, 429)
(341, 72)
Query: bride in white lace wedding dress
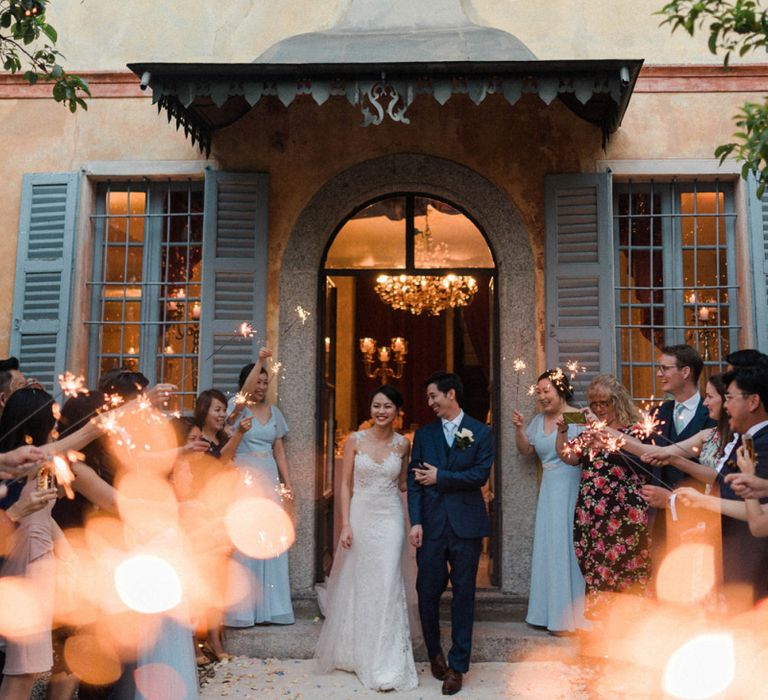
(366, 626)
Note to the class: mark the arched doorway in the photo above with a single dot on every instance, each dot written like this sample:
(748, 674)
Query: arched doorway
(519, 318)
(409, 287)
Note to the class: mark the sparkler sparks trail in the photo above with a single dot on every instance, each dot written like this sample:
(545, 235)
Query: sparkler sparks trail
(302, 313)
(275, 368)
(532, 390)
(647, 426)
(519, 367)
(244, 330)
(63, 471)
(574, 368)
(72, 384)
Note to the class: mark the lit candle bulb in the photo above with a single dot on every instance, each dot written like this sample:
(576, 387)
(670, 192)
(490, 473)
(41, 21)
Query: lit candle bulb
(196, 311)
(400, 346)
(384, 354)
(367, 346)
(704, 313)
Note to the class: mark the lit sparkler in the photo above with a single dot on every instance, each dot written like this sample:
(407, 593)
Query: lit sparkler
(574, 367)
(519, 367)
(244, 330)
(302, 313)
(531, 390)
(63, 471)
(275, 368)
(72, 384)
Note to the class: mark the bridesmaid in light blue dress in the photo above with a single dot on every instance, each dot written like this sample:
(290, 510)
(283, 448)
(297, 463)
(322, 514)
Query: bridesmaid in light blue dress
(556, 599)
(261, 456)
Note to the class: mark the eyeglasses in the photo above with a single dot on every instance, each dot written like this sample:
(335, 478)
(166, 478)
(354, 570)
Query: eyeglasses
(596, 405)
(663, 369)
(730, 397)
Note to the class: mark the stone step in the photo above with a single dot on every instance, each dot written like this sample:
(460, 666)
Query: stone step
(489, 605)
(492, 641)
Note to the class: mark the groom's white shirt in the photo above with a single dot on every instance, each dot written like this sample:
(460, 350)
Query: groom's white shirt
(451, 426)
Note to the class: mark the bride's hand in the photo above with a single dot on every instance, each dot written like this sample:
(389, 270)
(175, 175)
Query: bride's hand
(346, 537)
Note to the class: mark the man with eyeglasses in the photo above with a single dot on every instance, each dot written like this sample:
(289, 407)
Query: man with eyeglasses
(745, 558)
(684, 415)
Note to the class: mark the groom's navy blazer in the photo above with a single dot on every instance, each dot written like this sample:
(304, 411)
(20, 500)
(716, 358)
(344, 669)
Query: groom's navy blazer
(456, 499)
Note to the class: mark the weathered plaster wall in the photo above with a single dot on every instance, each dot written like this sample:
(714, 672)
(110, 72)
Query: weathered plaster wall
(108, 34)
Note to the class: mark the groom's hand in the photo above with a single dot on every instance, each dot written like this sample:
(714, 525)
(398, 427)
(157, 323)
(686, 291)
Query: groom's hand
(426, 474)
(415, 536)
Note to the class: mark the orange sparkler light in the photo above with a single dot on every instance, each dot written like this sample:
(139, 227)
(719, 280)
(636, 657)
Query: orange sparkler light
(518, 365)
(246, 330)
(532, 390)
(647, 426)
(113, 401)
(259, 527)
(703, 667)
(63, 472)
(574, 367)
(72, 384)
(275, 368)
(241, 398)
(56, 410)
(148, 584)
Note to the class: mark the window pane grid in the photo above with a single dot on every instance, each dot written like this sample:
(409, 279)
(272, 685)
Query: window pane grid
(148, 292)
(673, 281)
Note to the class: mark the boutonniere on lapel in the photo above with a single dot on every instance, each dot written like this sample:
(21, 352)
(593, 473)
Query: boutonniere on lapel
(464, 438)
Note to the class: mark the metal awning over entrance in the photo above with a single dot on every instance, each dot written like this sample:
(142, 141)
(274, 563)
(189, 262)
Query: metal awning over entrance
(204, 97)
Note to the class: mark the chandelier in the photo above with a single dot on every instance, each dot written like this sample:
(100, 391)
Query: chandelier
(425, 293)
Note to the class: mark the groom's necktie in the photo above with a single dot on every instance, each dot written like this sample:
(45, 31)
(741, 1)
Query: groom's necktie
(449, 429)
(679, 418)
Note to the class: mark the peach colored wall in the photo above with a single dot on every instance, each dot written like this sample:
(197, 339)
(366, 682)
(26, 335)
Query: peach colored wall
(513, 147)
(109, 34)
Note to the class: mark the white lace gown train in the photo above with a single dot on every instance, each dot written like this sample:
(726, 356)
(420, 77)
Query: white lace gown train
(366, 629)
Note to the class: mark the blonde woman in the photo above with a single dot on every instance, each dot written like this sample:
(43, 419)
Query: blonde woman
(611, 521)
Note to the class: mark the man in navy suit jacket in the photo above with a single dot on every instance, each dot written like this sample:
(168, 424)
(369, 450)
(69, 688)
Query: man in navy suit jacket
(450, 463)
(745, 558)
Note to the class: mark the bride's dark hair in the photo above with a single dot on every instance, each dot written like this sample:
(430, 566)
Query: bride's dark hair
(391, 393)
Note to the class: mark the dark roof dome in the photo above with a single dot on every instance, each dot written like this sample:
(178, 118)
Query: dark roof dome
(400, 31)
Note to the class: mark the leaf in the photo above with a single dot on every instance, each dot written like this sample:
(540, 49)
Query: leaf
(31, 77)
(57, 72)
(49, 31)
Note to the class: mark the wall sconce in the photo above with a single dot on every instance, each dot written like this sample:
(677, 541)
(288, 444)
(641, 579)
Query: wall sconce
(183, 318)
(396, 350)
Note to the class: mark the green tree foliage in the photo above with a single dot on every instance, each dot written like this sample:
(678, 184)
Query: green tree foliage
(736, 27)
(27, 42)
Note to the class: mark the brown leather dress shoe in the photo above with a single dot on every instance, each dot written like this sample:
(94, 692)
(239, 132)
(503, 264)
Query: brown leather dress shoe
(438, 666)
(452, 682)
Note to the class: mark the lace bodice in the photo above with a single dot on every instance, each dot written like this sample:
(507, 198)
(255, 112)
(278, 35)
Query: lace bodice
(377, 470)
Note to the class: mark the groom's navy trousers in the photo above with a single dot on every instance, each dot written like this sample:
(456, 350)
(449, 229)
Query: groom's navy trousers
(454, 520)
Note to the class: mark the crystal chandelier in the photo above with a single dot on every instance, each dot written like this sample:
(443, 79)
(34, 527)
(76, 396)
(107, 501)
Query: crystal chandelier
(425, 293)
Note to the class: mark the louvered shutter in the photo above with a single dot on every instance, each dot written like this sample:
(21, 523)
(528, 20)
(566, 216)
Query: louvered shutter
(234, 275)
(579, 274)
(43, 283)
(758, 210)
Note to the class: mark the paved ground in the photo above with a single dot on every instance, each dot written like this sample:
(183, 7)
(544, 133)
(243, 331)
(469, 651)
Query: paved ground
(297, 680)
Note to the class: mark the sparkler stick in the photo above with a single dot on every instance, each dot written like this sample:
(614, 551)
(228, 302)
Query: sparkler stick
(244, 330)
(301, 315)
(519, 367)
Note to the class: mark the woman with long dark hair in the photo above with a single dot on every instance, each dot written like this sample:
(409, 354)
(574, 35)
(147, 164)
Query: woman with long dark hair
(28, 419)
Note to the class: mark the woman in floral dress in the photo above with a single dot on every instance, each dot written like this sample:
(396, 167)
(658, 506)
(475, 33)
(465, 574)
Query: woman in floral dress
(611, 520)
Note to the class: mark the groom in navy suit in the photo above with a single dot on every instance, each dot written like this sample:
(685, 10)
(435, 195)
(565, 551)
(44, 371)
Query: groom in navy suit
(450, 463)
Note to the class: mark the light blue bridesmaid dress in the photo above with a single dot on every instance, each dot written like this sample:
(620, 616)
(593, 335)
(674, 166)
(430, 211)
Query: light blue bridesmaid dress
(269, 592)
(556, 599)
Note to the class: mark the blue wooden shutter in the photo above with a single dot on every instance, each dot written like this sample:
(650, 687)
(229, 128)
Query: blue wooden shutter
(43, 283)
(234, 275)
(579, 274)
(758, 223)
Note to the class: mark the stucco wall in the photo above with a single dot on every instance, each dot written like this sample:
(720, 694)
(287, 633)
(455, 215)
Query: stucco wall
(109, 34)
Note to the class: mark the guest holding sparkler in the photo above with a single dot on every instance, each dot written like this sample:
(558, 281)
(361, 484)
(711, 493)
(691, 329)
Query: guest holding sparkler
(28, 414)
(261, 456)
(557, 586)
(700, 455)
(745, 561)
(611, 523)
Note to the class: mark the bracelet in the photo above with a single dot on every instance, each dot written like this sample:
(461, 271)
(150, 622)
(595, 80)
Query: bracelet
(562, 432)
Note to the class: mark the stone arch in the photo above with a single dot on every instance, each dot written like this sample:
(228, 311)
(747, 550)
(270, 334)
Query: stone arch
(299, 285)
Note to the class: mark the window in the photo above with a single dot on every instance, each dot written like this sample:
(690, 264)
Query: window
(409, 232)
(676, 275)
(146, 286)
